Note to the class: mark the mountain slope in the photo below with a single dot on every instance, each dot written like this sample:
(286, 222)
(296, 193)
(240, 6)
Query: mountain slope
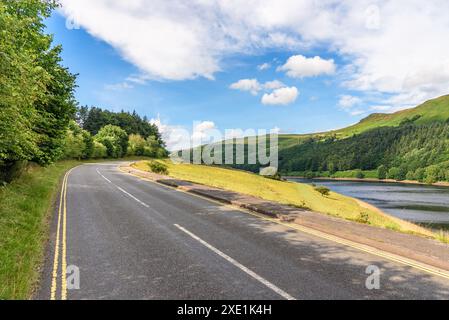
(436, 110)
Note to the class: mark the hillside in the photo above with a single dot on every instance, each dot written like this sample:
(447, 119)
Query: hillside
(435, 110)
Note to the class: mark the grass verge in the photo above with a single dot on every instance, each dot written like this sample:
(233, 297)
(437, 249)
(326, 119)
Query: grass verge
(25, 208)
(295, 194)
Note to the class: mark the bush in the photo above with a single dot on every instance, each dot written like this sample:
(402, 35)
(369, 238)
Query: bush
(309, 175)
(10, 171)
(99, 151)
(382, 172)
(420, 174)
(363, 218)
(359, 174)
(323, 190)
(432, 174)
(158, 167)
(397, 174)
(410, 175)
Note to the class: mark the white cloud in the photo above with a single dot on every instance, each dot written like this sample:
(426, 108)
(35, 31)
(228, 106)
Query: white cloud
(254, 86)
(264, 66)
(396, 48)
(347, 102)
(282, 96)
(301, 67)
(119, 86)
(175, 137)
(250, 85)
(272, 85)
(180, 138)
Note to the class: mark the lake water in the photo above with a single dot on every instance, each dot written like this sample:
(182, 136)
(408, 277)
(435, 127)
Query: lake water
(417, 203)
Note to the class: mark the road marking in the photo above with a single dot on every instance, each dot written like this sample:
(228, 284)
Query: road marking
(54, 281)
(103, 176)
(61, 243)
(131, 196)
(64, 246)
(360, 247)
(265, 282)
(124, 191)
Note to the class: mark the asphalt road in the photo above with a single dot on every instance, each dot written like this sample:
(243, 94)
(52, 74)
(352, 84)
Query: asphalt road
(134, 239)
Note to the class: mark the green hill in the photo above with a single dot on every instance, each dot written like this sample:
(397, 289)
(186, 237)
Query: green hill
(410, 144)
(435, 110)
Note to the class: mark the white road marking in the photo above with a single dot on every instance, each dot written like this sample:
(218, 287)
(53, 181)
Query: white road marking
(265, 282)
(131, 196)
(103, 177)
(124, 191)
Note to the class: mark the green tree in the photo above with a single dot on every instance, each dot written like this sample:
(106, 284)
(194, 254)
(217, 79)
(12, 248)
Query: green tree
(114, 139)
(99, 150)
(36, 92)
(137, 145)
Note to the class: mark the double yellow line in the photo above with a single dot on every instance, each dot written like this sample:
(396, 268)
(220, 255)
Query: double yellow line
(61, 244)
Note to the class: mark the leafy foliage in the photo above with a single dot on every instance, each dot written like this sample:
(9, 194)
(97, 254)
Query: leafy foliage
(158, 167)
(36, 91)
(115, 139)
(94, 119)
(409, 151)
(323, 191)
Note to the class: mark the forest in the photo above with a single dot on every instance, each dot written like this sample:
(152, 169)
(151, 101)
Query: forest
(407, 152)
(40, 121)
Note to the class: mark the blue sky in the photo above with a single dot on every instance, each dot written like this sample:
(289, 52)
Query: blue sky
(101, 70)
(334, 63)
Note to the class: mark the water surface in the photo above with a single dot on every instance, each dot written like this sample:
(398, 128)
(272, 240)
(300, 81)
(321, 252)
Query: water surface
(416, 203)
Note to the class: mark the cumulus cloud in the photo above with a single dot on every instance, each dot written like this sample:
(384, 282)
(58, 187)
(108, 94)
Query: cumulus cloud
(399, 53)
(254, 86)
(282, 96)
(180, 137)
(301, 67)
(272, 85)
(347, 102)
(250, 85)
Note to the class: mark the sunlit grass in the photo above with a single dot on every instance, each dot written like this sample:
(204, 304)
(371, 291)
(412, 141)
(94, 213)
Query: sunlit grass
(290, 193)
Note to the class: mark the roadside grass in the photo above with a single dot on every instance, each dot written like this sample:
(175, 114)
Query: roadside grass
(25, 208)
(290, 193)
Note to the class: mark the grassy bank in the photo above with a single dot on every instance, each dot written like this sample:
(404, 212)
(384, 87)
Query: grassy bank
(24, 214)
(289, 193)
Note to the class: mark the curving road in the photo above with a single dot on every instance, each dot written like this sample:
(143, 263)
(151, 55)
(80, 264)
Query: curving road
(134, 239)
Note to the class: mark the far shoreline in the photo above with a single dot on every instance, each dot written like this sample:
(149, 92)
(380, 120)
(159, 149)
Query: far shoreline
(412, 182)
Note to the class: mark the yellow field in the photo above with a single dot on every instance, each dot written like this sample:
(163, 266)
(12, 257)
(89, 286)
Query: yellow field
(289, 193)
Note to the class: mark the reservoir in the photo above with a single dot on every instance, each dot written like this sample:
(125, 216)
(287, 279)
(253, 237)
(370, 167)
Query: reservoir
(428, 205)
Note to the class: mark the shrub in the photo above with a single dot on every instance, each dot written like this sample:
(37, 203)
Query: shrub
(323, 190)
(309, 175)
(359, 174)
(158, 167)
(363, 218)
(410, 175)
(382, 172)
(420, 174)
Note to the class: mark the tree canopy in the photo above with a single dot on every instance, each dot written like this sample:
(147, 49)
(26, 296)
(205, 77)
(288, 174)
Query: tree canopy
(36, 91)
